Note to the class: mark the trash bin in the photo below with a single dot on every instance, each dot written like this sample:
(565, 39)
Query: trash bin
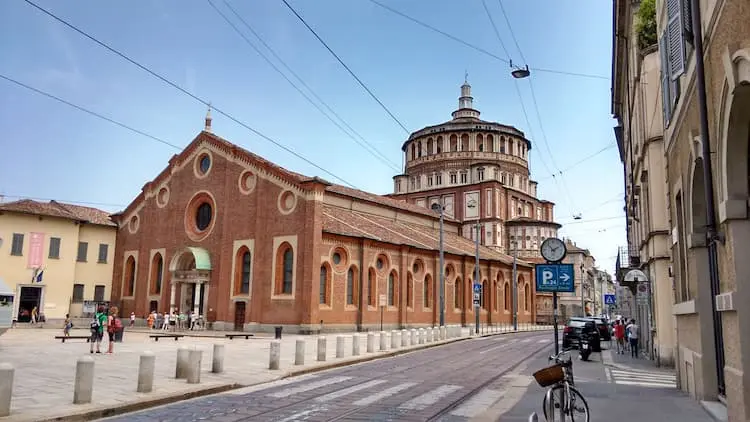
(278, 332)
(118, 336)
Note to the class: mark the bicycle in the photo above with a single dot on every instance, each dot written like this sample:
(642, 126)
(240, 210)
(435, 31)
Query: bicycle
(562, 398)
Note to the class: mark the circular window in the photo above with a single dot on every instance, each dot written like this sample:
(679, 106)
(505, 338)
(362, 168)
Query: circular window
(337, 258)
(203, 216)
(162, 197)
(134, 223)
(205, 164)
(379, 263)
(286, 202)
(247, 182)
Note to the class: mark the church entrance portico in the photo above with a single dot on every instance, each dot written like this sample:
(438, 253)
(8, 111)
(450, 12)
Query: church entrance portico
(190, 272)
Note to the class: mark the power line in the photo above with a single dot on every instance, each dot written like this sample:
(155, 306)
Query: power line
(347, 68)
(186, 92)
(579, 162)
(101, 204)
(480, 49)
(302, 81)
(366, 145)
(592, 221)
(512, 35)
(93, 113)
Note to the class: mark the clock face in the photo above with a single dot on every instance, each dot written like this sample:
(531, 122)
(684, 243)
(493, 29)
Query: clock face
(553, 249)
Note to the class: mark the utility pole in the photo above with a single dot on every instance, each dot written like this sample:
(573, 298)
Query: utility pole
(583, 298)
(515, 286)
(442, 270)
(477, 282)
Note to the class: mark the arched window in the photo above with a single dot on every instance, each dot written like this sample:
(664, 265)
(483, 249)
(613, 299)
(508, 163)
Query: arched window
(284, 269)
(506, 297)
(157, 273)
(457, 294)
(391, 290)
(351, 287)
(244, 281)
(419, 149)
(323, 300)
(129, 276)
(427, 291)
(454, 143)
(464, 142)
(494, 294)
(372, 286)
(409, 291)
(430, 146)
(490, 144)
(485, 295)
(527, 297)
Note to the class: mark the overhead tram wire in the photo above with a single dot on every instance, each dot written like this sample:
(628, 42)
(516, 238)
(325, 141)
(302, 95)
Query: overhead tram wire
(362, 84)
(186, 92)
(302, 81)
(365, 145)
(579, 162)
(93, 113)
(65, 201)
(480, 49)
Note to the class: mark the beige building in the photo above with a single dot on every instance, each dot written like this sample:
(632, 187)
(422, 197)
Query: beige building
(636, 104)
(709, 272)
(571, 304)
(55, 256)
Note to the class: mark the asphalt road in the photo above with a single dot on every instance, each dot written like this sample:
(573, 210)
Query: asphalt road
(455, 382)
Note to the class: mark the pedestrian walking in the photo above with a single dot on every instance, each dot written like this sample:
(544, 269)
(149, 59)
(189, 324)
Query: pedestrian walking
(68, 325)
(97, 329)
(132, 319)
(620, 337)
(633, 331)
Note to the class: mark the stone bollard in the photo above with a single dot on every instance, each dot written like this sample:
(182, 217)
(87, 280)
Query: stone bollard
(182, 361)
(194, 366)
(355, 345)
(274, 357)
(299, 352)
(413, 336)
(6, 388)
(395, 339)
(383, 341)
(217, 359)
(340, 342)
(422, 336)
(83, 388)
(404, 338)
(146, 368)
(435, 333)
(321, 349)
(370, 342)
(443, 331)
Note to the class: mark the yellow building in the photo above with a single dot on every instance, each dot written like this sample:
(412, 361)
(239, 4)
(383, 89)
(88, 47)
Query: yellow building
(55, 256)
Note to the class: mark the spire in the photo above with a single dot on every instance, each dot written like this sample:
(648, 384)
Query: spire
(208, 119)
(466, 101)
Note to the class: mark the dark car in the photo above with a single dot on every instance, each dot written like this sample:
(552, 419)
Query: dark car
(604, 330)
(572, 331)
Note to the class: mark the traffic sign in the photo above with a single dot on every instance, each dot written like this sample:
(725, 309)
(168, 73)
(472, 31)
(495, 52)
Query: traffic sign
(555, 278)
(476, 296)
(477, 287)
(610, 299)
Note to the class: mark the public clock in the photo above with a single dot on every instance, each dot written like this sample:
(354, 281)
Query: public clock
(553, 249)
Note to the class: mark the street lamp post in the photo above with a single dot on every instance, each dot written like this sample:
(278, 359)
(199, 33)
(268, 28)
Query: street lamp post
(583, 298)
(476, 280)
(515, 286)
(440, 208)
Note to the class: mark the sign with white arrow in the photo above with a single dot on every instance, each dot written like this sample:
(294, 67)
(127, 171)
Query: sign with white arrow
(555, 278)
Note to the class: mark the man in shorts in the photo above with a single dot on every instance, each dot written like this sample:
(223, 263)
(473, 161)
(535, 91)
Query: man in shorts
(97, 329)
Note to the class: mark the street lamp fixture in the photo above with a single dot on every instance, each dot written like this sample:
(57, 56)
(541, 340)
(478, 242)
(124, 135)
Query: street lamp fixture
(438, 208)
(519, 72)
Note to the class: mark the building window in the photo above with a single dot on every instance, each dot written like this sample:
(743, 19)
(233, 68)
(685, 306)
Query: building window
(83, 251)
(16, 248)
(284, 269)
(463, 177)
(527, 297)
(129, 276)
(438, 179)
(203, 216)
(103, 252)
(454, 178)
(323, 300)
(502, 178)
(429, 180)
(484, 296)
(480, 174)
(157, 273)
(245, 272)
(391, 290)
(77, 293)
(205, 164)
(457, 294)
(372, 285)
(54, 248)
(99, 293)
(351, 287)
(427, 284)
(506, 297)
(409, 291)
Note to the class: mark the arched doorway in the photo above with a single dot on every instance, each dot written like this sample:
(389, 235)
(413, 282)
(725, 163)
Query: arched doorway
(190, 270)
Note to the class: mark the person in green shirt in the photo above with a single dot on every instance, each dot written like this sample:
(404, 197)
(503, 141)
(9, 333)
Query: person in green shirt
(98, 323)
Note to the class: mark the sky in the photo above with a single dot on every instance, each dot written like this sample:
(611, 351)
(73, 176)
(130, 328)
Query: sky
(52, 150)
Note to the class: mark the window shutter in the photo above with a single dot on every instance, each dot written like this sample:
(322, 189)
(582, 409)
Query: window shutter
(687, 20)
(676, 41)
(665, 100)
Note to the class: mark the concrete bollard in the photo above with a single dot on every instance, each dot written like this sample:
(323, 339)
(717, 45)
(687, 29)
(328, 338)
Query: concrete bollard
(413, 336)
(182, 361)
(422, 336)
(355, 345)
(194, 366)
(395, 339)
(443, 333)
(274, 356)
(299, 352)
(340, 342)
(321, 349)
(6, 388)
(146, 367)
(370, 342)
(217, 359)
(435, 333)
(83, 388)
(383, 341)
(404, 338)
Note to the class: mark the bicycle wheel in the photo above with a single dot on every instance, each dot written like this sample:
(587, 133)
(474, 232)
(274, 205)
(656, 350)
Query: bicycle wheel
(578, 411)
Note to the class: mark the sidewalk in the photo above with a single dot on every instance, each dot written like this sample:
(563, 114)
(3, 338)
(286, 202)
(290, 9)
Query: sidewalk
(617, 389)
(45, 369)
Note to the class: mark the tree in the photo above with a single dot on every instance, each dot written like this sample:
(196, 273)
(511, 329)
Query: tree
(646, 25)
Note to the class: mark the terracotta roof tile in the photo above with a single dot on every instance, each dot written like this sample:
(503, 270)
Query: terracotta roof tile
(383, 200)
(59, 209)
(357, 224)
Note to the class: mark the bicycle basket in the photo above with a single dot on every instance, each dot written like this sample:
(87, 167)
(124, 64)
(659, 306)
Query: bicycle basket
(550, 375)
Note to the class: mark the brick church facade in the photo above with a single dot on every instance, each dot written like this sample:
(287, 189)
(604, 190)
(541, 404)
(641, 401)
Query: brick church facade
(249, 245)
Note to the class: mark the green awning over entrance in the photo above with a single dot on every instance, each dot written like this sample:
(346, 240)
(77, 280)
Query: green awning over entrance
(202, 258)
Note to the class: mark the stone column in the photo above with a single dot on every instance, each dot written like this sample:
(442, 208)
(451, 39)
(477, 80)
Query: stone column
(173, 296)
(197, 297)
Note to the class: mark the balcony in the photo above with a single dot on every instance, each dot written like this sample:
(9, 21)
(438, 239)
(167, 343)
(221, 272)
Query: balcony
(627, 259)
(483, 156)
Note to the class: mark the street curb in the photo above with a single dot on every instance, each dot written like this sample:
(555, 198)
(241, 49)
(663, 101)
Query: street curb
(111, 411)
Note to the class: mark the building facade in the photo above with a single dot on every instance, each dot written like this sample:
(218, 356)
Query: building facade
(580, 302)
(249, 245)
(479, 171)
(708, 268)
(55, 257)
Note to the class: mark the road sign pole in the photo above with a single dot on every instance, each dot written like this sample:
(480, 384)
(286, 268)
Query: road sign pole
(477, 281)
(554, 321)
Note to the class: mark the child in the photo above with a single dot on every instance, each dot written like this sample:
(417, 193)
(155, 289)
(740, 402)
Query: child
(68, 325)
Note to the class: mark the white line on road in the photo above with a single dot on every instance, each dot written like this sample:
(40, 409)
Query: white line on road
(493, 348)
(526, 340)
(478, 403)
(383, 394)
(430, 398)
(297, 416)
(347, 391)
(608, 374)
(544, 340)
(307, 387)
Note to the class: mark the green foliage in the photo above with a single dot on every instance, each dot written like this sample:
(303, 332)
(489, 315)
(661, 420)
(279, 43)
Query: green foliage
(646, 25)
